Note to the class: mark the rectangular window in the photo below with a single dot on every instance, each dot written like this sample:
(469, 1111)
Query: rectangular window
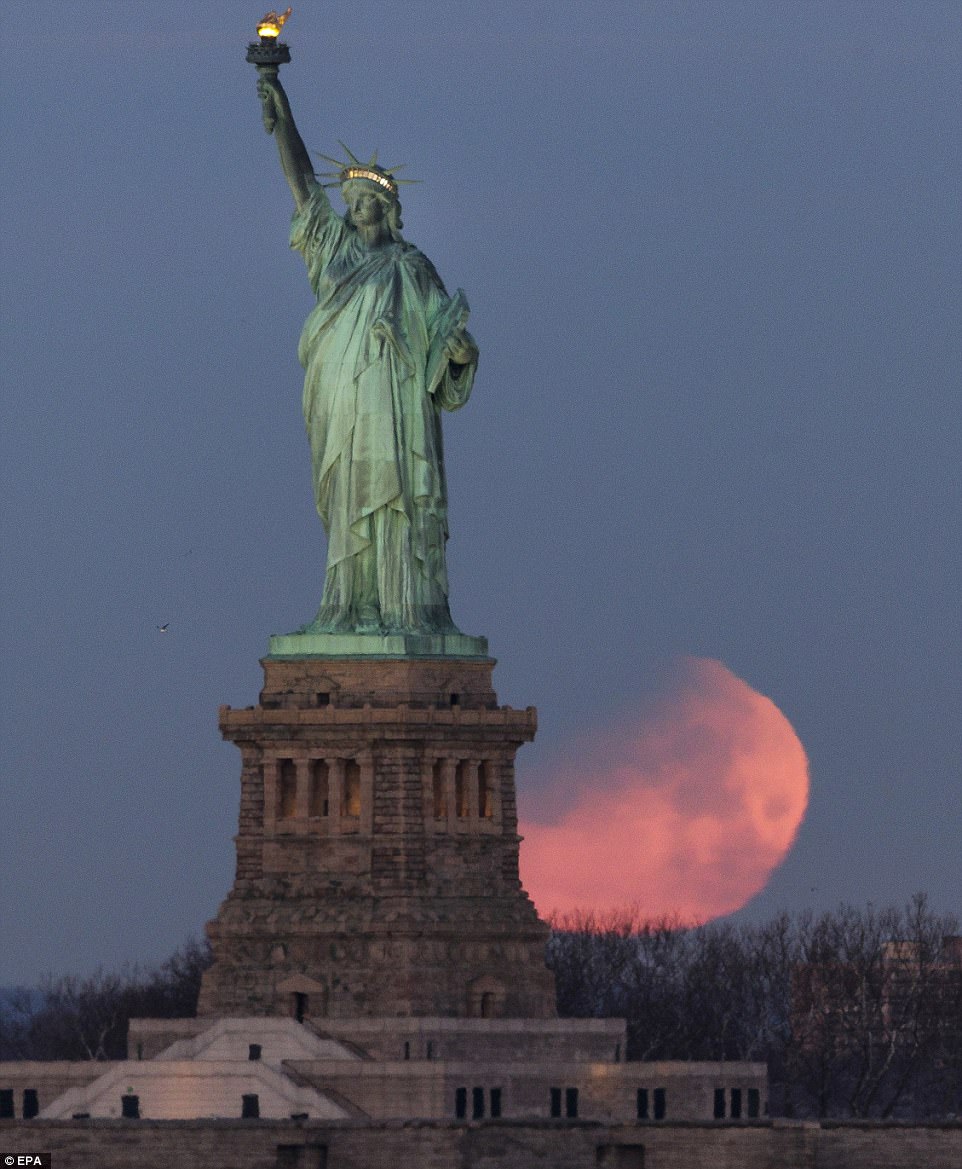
(130, 1107)
(301, 1157)
(351, 804)
(6, 1104)
(754, 1104)
(555, 1102)
(571, 1102)
(439, 790)
(659, 1104)
(477, 1103)
(495, 1102)
(736, 1109)
(621, 1156)
(719, 1110)
(250, 1106)
(641, 1104)
(461, 1103)
(319, 804)
(461, 790)
(31, 1103)
(286, 789)
(485, 790)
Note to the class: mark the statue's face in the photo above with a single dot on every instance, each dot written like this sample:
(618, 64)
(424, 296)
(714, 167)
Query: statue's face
(367, 209)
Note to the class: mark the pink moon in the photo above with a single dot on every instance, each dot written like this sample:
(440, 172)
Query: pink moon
(684, 811)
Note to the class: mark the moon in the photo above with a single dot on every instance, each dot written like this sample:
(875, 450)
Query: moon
(681, 811)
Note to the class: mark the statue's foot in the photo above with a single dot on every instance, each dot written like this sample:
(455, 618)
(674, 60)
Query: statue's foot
(324, 623)
(369, 620)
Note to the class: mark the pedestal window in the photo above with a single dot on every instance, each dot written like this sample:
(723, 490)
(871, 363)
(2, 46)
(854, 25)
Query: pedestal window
(351, 801)
(286, 789)
(486, 790)
(439, 790)
(462, 789)
(319, 805)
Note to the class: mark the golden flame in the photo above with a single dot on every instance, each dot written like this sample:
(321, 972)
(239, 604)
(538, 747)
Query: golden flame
(271, 25)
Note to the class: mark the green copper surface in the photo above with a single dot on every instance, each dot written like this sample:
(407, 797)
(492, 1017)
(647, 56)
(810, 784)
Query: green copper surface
(384, 351)
(385, 645)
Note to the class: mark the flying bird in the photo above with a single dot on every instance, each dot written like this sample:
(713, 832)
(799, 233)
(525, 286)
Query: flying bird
(164, 628)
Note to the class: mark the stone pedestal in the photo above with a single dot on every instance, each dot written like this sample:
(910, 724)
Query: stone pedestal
(377, 855)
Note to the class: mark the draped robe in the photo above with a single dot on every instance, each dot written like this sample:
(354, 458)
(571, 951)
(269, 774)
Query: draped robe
(376, 380)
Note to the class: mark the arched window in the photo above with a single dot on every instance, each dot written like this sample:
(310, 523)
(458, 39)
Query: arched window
(486, 998)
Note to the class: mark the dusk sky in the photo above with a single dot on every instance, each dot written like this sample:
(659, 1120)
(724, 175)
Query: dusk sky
(713, 252)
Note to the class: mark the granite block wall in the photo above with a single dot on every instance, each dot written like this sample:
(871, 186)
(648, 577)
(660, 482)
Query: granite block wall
(484, 1145)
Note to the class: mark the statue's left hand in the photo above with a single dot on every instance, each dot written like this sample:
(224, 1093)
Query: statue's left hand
(461, 349)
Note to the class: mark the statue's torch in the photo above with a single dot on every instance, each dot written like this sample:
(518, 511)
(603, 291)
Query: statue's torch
(268, 54)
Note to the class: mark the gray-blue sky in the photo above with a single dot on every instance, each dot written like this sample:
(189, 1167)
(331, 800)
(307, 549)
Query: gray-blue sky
(713, 252)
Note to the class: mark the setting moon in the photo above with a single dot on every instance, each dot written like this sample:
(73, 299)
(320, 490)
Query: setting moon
(683, 810)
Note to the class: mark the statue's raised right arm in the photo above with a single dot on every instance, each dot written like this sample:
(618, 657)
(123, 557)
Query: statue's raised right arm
(295, 160)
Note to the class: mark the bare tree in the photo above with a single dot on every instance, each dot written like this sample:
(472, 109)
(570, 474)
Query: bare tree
(857, 1012)
(86, 1018)
(869, 1010)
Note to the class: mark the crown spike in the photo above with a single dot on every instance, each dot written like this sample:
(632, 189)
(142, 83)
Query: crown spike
(351, 155)
(327, 158)
(354, 169)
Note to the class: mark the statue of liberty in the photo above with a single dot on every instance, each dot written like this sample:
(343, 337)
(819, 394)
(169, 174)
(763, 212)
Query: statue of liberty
(384, 351)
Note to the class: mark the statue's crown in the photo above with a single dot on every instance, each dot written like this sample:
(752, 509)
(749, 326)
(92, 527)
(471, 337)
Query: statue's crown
(382, 176)
(373, 174)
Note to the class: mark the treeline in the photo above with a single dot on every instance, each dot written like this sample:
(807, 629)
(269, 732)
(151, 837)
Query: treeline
(86, 1018)
(857, 1013)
